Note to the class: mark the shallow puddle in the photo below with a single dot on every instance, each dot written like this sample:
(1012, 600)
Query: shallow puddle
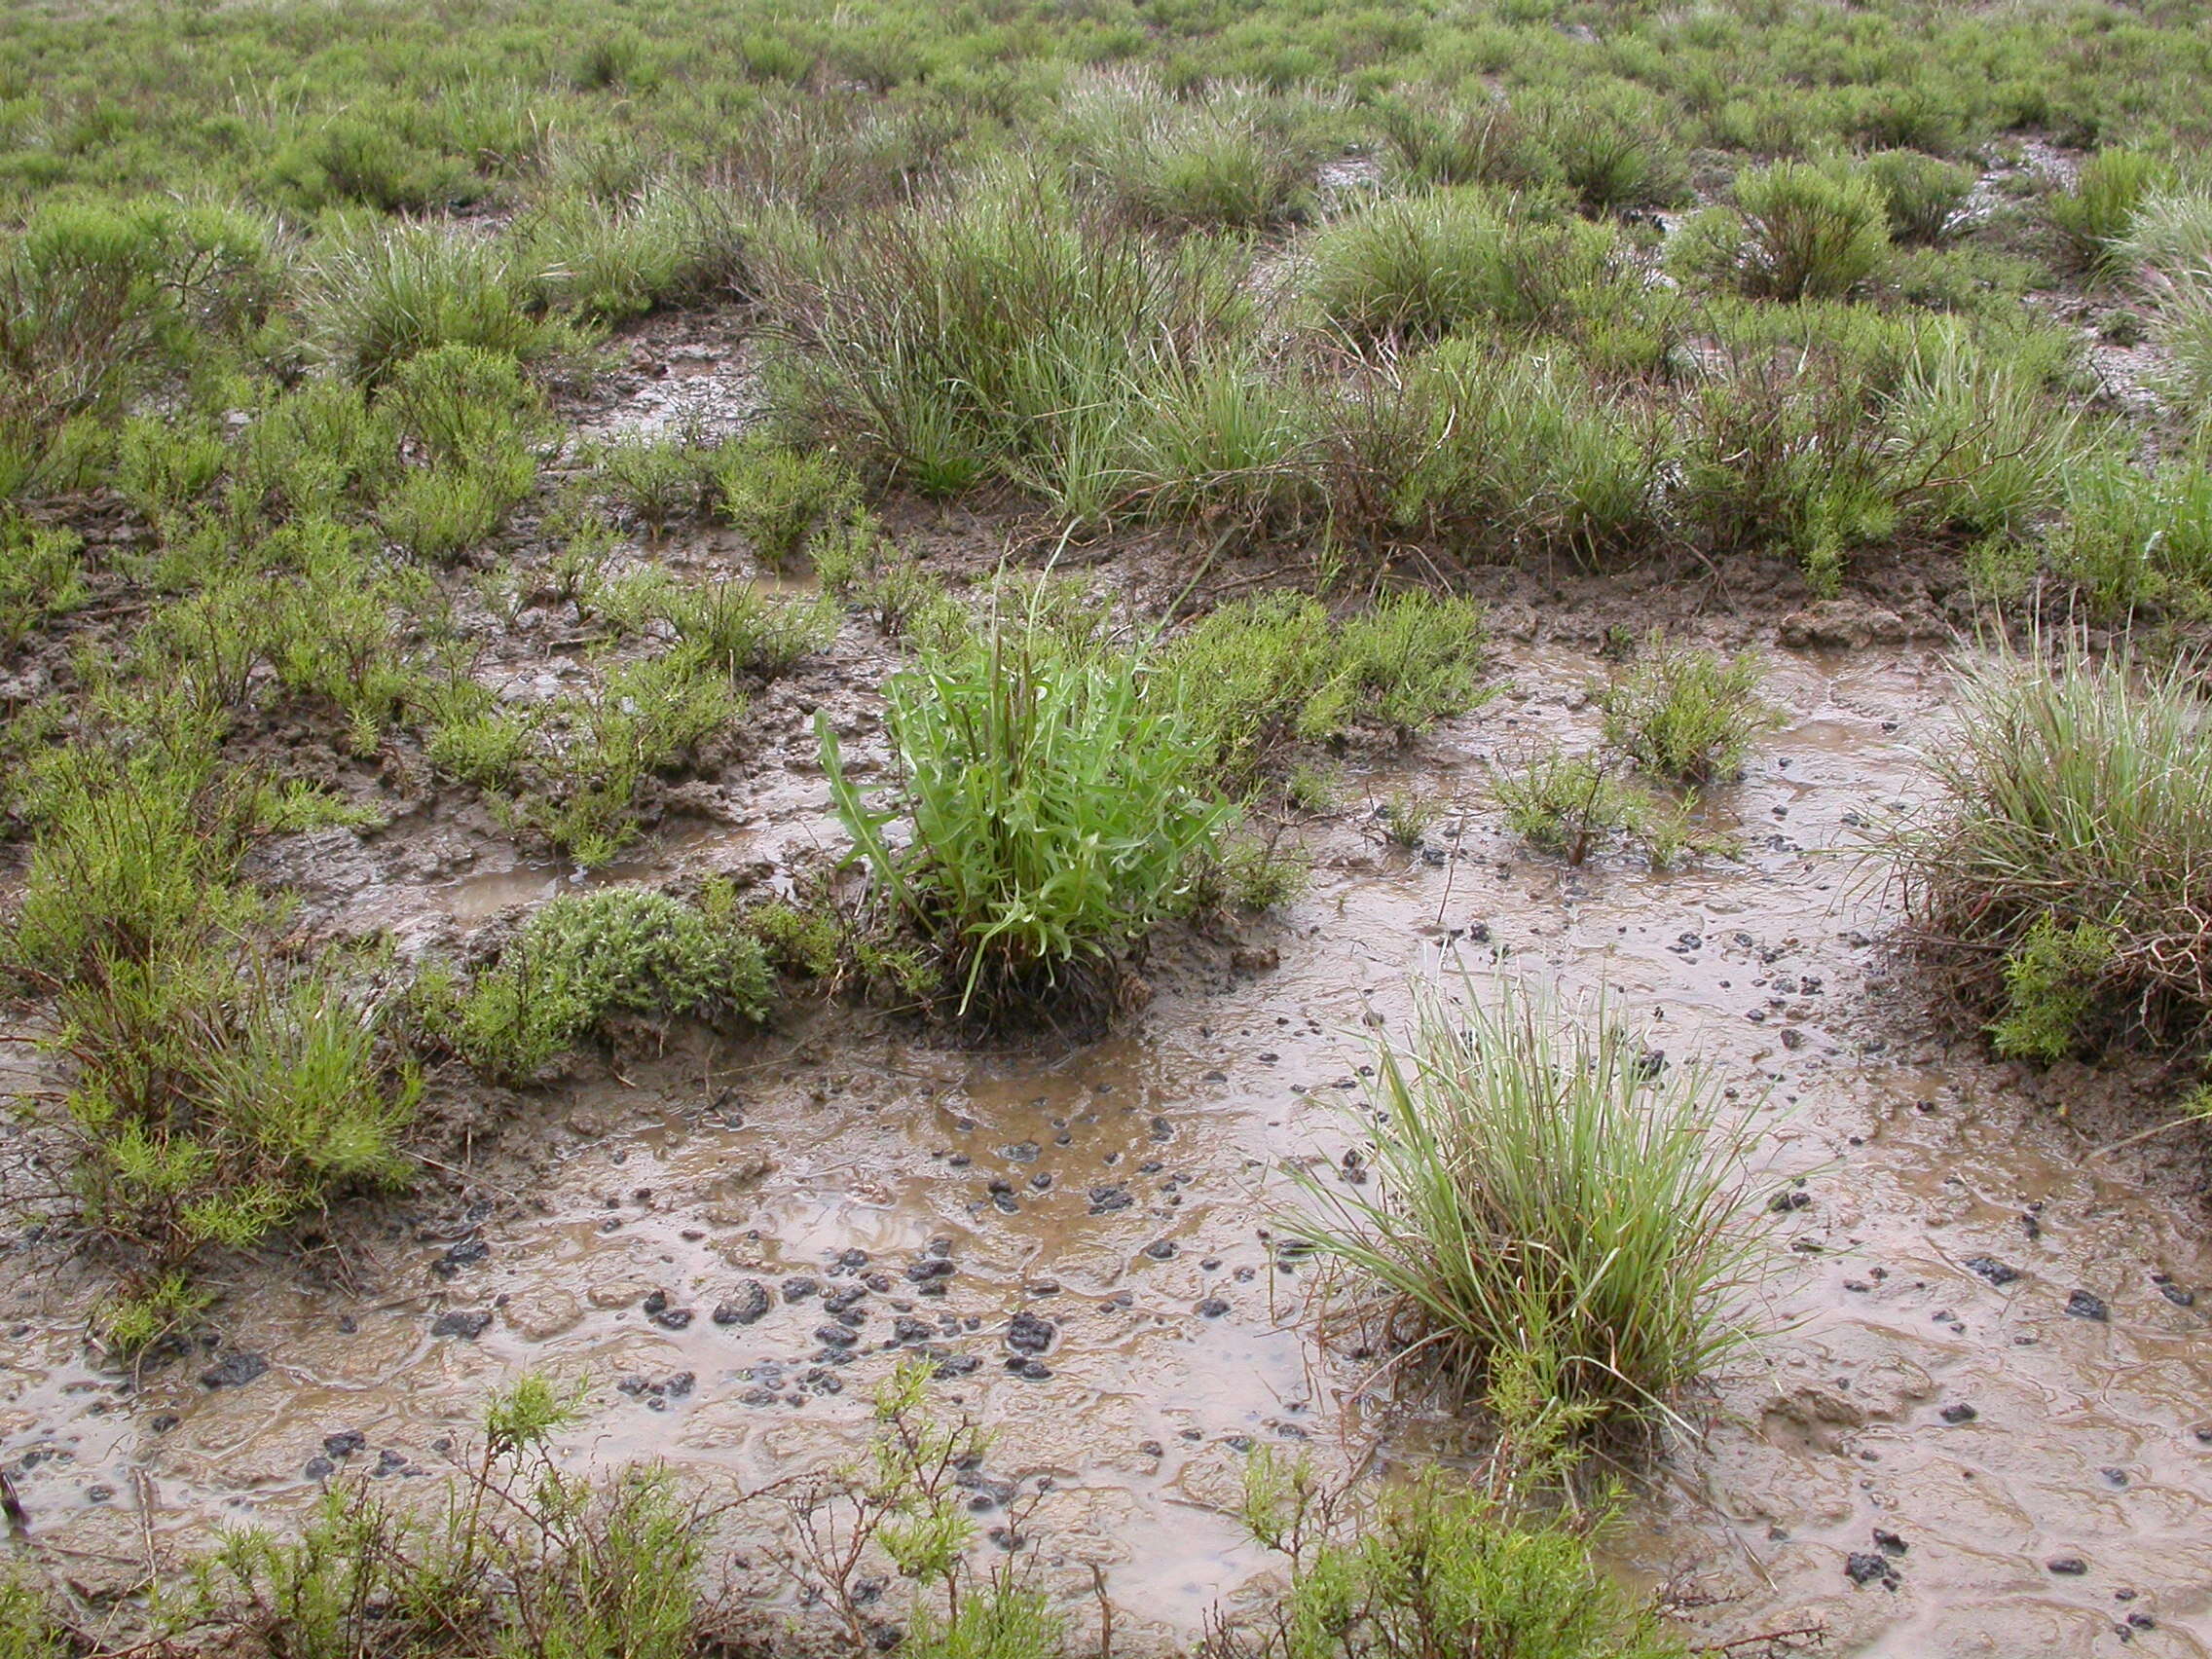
(1124, 1193)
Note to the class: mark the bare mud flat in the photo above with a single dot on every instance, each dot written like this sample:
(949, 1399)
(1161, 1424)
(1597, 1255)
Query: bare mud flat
(1981, 1422)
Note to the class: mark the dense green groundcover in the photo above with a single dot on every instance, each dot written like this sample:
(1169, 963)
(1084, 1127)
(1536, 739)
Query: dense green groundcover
(410, 106)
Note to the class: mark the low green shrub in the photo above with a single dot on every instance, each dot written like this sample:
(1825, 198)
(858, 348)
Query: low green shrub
(775, 496)
(740, 631)
(104, 304)
(467, 406)
(320, 448)
(439, 513)
(1925, 199)
(163, 465)
(584, 958)
(2051, 987)
(31, 1626)
(220, 1089)
(126, 857)
(586, 755)
(522, 1560)
(657, 479)
(1686, 715)
(726, 627)
(42, 577)
(1438, 1562)
(1545, 1196)
(1058, 807)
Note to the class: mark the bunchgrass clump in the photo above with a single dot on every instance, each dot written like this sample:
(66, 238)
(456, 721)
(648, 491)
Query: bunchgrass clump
(1546, 1192)
(1805, 231)
(2066, 863)
(373, 299)
(1415, 268)
(1058, 806)
(1925, 196)
(2167, 248)
(1235, 158)
(1006, 337)
(2137, 536)
(668, 243)
(1686, 714)
(2095, 215)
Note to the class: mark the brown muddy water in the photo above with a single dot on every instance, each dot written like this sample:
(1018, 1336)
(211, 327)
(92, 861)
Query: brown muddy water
(1982, 1348)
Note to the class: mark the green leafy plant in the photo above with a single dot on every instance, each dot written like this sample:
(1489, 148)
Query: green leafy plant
(1057, 803)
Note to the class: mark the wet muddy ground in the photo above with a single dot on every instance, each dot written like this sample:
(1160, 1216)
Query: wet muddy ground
(1981, 1422)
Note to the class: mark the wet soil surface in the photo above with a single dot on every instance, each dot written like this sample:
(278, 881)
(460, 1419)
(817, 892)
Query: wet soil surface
(1981, 1422)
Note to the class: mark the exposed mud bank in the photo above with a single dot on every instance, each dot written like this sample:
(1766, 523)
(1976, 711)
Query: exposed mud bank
(1983, 1423)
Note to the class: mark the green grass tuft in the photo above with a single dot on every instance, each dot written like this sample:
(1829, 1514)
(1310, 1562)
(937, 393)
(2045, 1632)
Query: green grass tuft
(1546, 1196)
(2063, 863)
